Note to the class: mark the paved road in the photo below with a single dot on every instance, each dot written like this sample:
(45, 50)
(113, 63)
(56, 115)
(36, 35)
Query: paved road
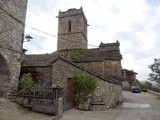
(143, 106)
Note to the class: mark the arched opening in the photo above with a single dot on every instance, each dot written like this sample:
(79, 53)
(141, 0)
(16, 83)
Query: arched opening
(4, 76)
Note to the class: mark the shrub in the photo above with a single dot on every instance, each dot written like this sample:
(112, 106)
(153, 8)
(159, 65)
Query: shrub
(26, 84)
(84, 82)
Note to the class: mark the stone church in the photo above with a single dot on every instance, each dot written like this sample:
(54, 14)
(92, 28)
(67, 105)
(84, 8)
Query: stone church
(12, 19)
(73, 55)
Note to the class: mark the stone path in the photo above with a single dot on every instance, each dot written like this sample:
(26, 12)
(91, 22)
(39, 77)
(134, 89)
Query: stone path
(12, 111)
(142, 106)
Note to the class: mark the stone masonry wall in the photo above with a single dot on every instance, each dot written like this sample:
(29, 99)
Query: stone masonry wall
(96, 66)
(12, 19)
(107, 67)
(77, 36)
(40, 74)
(112, 67)
(71, 41)
(108, 93)
(125, 85)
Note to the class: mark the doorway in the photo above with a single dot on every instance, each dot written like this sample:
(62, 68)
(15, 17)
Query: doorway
(4, 76)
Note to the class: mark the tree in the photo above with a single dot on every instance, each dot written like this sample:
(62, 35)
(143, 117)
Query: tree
(137, 83)
(155, 69)
(84, 84)
(146, 85)
(143, 85)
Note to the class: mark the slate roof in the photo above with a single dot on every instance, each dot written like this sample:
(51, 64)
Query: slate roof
(109, 44)
(38, 60)
(129, 71)
(76, 55)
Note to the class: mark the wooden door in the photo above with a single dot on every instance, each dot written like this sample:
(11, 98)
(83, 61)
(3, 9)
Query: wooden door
(71, 89)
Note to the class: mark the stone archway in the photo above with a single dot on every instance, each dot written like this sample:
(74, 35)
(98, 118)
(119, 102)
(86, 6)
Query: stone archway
(4, 76)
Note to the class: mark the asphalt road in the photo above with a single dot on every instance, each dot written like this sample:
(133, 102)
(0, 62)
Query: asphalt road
(136, 106)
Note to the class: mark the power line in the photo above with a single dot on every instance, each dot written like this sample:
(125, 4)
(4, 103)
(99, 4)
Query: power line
(21, 22)
(92, 45)
(51, 34)
(40, 30)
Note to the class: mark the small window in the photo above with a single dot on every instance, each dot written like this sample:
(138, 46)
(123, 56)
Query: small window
(69, 26)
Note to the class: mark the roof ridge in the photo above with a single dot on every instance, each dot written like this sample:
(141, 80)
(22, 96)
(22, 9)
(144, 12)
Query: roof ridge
(111, 78)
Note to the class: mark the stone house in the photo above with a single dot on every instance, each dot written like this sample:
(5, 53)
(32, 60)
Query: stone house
(72, 55)
(12, 22)
(129, 78)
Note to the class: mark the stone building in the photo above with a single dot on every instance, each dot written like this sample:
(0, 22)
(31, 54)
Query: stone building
(129, 78)
(12, 19)
(72, 55)
(72, 30)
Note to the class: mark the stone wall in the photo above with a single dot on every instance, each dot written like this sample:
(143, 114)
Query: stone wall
(112, 67)
(125, 85)
(72, 41)
(41, 74)
(74, 34)
(12, 19)
(108, 93)
(107, 67)
(96, 66)
(129, 76)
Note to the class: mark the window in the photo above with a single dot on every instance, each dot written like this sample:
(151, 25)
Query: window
(69, 26)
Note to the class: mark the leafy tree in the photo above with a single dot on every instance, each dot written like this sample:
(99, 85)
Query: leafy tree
(137, 83)
(143, 85)
(146, 85)
(84, 82)
(155, 68)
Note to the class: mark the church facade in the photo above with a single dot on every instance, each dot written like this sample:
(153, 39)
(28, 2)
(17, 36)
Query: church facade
(73, 55)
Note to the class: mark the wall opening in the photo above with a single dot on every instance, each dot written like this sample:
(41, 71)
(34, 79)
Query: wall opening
(4, 74)
(69, 26)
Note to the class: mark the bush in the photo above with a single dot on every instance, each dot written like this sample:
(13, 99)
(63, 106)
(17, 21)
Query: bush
(84, 82)
(26, 84)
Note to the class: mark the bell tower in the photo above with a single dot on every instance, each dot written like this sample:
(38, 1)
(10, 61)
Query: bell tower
(72, 30)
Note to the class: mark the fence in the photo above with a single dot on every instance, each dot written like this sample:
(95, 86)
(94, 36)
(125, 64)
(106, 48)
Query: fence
(45, 99)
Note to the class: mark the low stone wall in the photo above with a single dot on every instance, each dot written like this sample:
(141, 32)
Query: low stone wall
(153, 92)
(106, 95)
(125, 85)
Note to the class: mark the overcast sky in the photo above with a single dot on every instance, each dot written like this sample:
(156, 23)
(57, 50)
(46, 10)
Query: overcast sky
(134, 23)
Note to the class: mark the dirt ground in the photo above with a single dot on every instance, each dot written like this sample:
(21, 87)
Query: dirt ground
(136, 106)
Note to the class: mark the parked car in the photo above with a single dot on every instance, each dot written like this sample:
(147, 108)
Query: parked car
(136, 89)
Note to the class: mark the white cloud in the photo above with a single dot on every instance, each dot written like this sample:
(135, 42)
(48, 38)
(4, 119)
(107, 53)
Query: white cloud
(135, 23)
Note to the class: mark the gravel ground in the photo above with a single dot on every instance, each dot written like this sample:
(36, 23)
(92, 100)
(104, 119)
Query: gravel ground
(136, 106)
